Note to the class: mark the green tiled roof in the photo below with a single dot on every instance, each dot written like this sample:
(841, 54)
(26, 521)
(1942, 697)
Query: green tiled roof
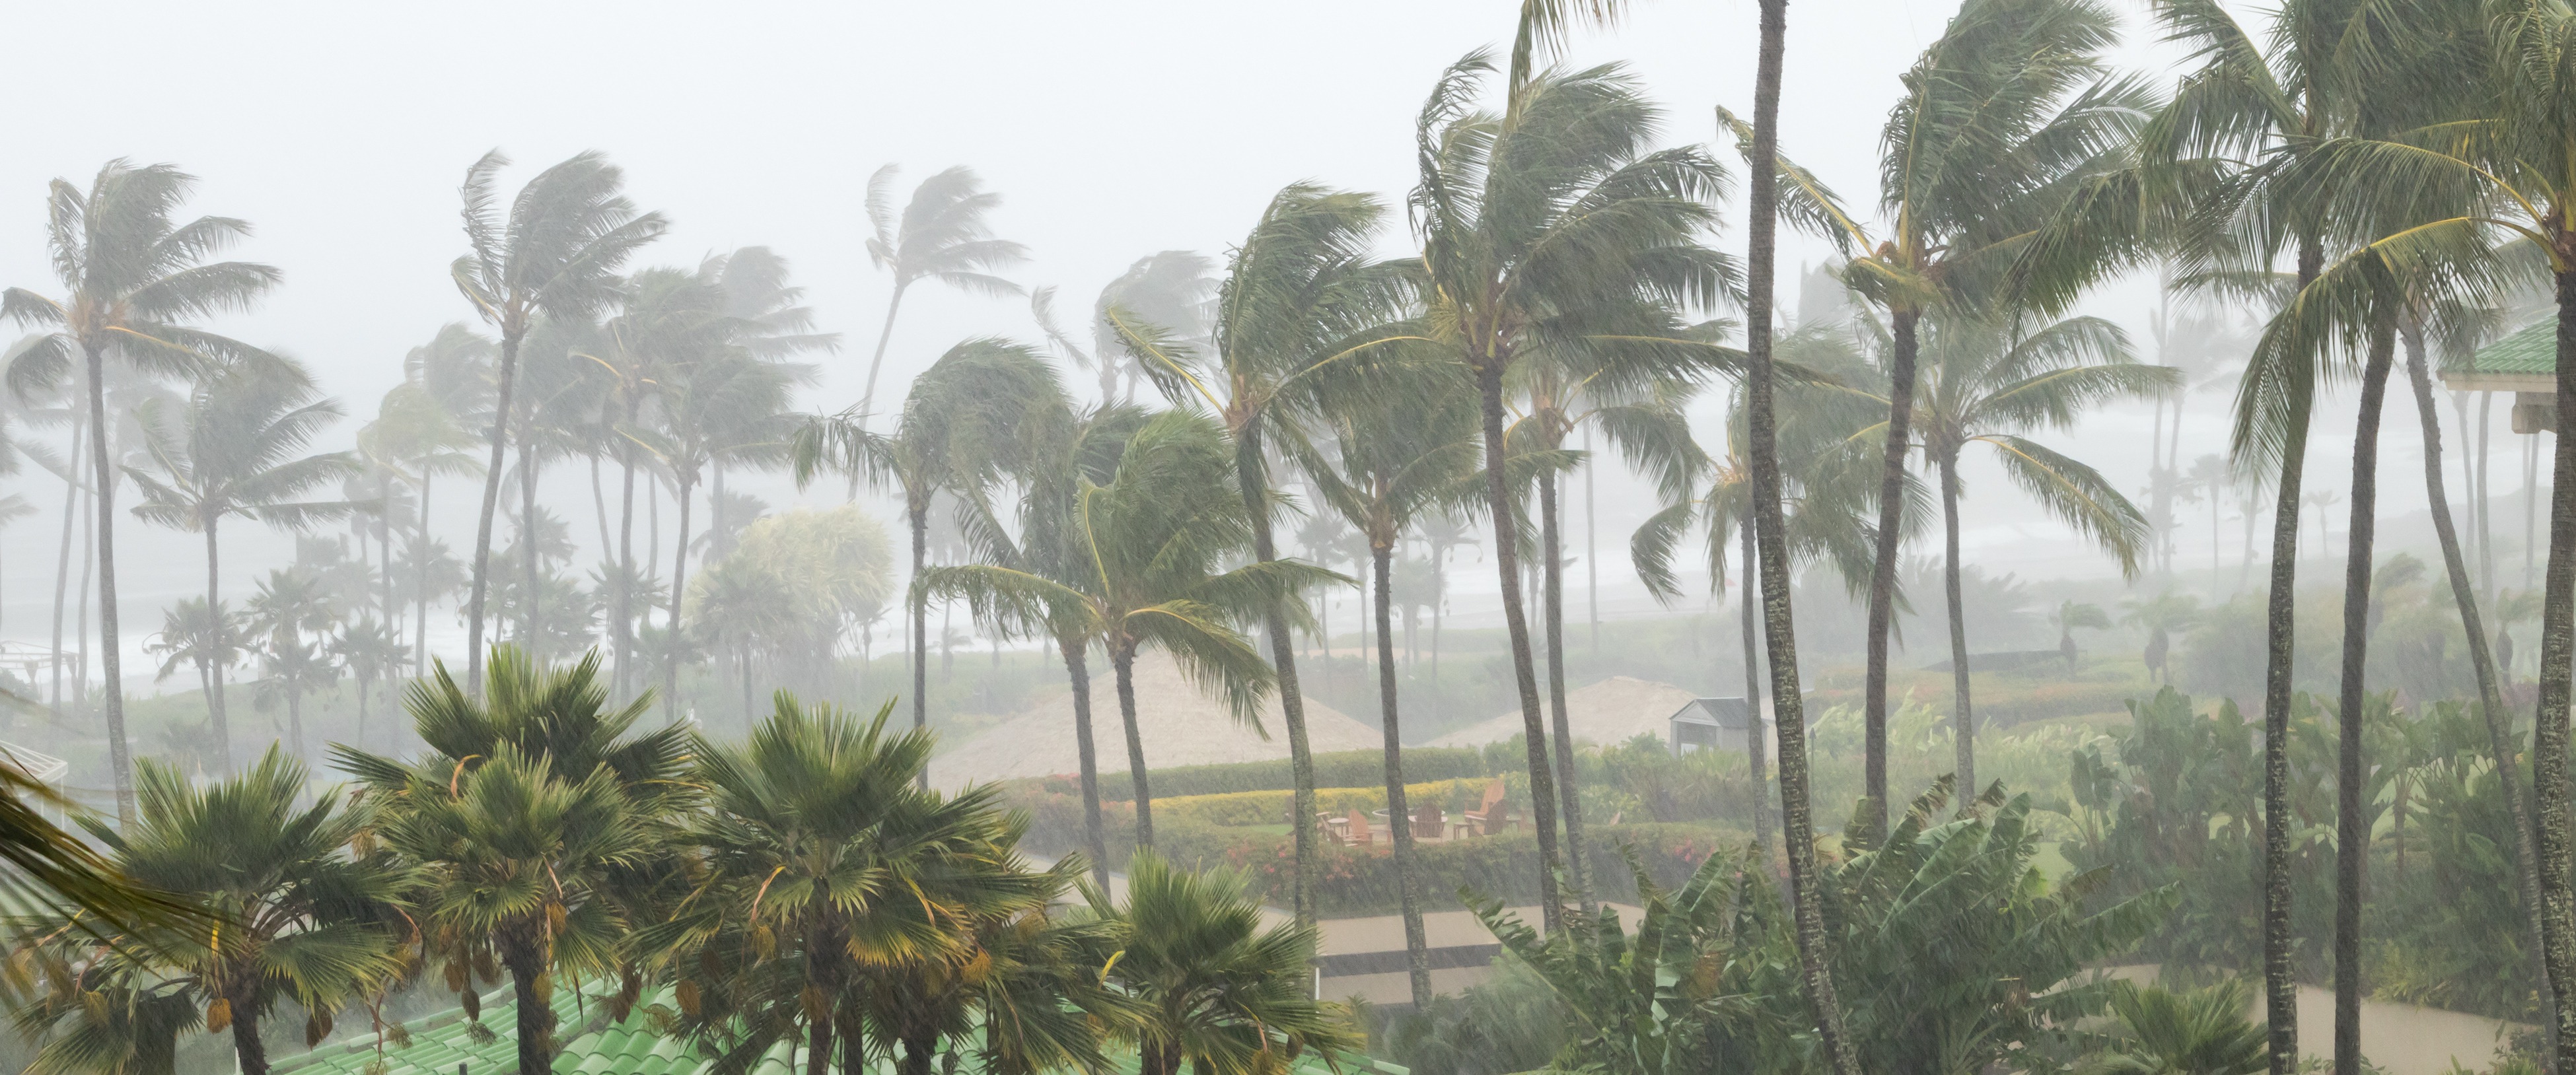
(2533, 349)
(630, 1047)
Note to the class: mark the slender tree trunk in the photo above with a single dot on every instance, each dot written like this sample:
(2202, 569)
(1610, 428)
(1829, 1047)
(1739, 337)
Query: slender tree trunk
(868, 398)
(2549, 738)
(1797, 798)
(1756, 748)
(2490, 692)
(1252, 481)
(2352, 831)
(509, 375)
(1077, 672)
(599, 506)
(1552, 581)
(1122, 663)
(818, 1046)
(2280, 981)
(295, 708)
(622, 633)
(1963, 720)
(215, 625)
(2486, 517)
(1591, 544)
(1399, 814)
(1882, 573)
(111, 659)
(679, 590)
(917, 514)
(528, 538)
(1507, 564)
(72, 464)
(250, 1052)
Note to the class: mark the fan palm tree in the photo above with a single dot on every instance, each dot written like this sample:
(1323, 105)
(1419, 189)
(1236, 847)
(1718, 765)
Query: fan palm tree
(1145, 569)
(554, 253)
(532, 820)
(232, 450)
(132, 277)
(1553, 225)
(941, 236)
(1396, 457)
(1988, 385)
(1302, 303)
(1779, 635)
(1219, 994)
(303, 918)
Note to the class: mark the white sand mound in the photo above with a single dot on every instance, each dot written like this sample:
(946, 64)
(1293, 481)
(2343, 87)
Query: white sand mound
(1180, 725)
(1613, 710)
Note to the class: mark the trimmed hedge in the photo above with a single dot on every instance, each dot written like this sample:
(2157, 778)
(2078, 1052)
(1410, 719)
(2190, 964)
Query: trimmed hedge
(1239, 808)
(1344, 769)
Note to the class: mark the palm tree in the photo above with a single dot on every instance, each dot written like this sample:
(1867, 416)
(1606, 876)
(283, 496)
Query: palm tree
(1400, 452)
(1986, 385)
(942, 236)
(132, 277)
(411, 440)
(1218, 993)
(372, 653)
(1146, 552)
(529, 821)
(291, 605)
(423, 424)
(1554, 225)
(232, 450)
(1779, 637)
(303, 919)
(771, 322)
(212, 642)
(964, 422)
(719, 403)
(555, 253)
(1302, 304)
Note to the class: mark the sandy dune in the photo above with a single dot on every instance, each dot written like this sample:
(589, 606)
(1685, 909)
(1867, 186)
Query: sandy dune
(1180, 726)
(1613, 710)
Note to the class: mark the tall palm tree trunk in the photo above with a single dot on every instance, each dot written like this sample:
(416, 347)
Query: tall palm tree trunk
(867, 397)
(1399, 816)
(215, 626)
(509, 375)
(1963, 717)
(77, 459)
(1756, 764)
(917, 516)
(1797, 800)
(420, 594)
(119, 754)
(623, 632)
(2549, 734)
(1122, 664)
(1077, 672)
(2482, 661)
(2280, 981)
(2352, 832)
(1552, 581)
(1507, 564)
(1882, 571)
(528, 618)
(679, 590)
(1250, 475)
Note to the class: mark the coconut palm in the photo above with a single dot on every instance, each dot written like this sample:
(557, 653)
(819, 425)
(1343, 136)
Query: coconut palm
(1988, 385)
(412, 440)
(1170, 290)
(1302, 304)
(967, 419)
(1552, 224)
(211, 642)
(1218, 993)
(232, 449)
(1145, 568)
(941, 236)
(530, 820)
(1396, 456)
(554, 253)
(772, 323)
(373, 654)
(132, 277)
(291, 614)
(721, 402)
(304, 920)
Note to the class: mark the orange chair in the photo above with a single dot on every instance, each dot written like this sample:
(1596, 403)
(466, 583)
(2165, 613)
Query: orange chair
(1359, 833)
(1489, 815)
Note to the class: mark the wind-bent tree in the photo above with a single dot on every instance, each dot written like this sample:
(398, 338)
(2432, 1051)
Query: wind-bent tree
(190, 634)
(1146, 566)
(963, 426)
(303, 921)
(1553, 224)
(531, 819)
(1169, 289)
(132, 278)
(292, 612)
(1771, 536)
(554, 253)
(1302, 303)
(723, 400)
(1400, 451)
(231, 450)
(1988, 385)
(941, 236)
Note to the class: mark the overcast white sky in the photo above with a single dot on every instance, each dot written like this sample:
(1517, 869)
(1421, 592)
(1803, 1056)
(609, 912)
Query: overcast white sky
(1112, 129)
